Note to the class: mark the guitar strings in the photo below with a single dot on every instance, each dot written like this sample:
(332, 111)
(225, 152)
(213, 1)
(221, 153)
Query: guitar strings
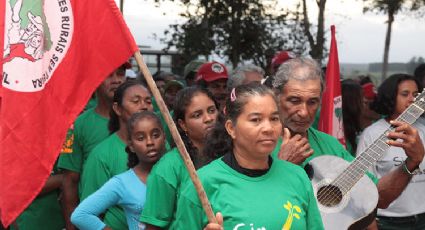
(347, 175)
(338, 183)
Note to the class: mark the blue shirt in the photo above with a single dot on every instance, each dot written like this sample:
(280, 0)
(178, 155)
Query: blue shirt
(125, 190)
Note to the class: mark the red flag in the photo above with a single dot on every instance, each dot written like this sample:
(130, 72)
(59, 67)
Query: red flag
(330, 120)
(55, 54)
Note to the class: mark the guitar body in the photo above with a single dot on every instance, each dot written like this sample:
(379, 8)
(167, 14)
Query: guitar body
(354, 210)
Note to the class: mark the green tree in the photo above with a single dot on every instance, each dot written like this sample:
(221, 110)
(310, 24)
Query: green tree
(413, 63)
(239, 30)
(391, 8)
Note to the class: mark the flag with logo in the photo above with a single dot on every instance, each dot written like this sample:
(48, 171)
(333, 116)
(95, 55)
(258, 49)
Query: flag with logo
(55, 53)
(330, 120)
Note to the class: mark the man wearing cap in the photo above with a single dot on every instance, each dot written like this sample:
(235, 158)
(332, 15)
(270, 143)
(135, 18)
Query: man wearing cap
(171, 89)
(90, 128)
(213, 76)
(190, 71)
(279, 58)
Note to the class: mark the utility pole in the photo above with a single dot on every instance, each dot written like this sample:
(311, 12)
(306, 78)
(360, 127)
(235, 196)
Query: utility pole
(122, 6)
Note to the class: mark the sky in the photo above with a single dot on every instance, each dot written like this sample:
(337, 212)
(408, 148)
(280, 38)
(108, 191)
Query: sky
(360, 36)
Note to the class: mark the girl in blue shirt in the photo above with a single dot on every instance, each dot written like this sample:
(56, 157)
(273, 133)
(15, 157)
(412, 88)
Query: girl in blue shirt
(145, 147)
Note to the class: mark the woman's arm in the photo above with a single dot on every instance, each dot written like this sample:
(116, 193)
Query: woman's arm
(86, 215)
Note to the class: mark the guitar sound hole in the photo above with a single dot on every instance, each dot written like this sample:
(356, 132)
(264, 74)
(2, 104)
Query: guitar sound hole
(329, 195)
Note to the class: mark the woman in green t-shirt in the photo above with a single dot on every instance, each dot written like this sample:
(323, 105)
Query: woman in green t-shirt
(248, 187)
(109, 158)
(195, 113)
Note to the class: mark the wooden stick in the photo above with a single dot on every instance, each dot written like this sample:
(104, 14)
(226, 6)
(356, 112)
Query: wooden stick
(176, 136)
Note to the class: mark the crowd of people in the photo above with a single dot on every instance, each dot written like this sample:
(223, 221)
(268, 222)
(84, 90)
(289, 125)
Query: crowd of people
(251, 139)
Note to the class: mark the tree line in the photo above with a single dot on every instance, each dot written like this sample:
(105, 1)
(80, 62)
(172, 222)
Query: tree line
(253, 30)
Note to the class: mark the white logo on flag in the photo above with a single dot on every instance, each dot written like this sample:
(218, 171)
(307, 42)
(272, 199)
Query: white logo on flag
(337, 127)
(37, 36)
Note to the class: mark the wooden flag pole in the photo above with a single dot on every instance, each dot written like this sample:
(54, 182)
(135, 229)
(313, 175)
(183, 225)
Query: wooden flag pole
(176, 136)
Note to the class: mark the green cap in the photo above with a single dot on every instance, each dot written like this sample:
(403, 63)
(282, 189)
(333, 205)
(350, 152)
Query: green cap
(173, 83)
(192, 66)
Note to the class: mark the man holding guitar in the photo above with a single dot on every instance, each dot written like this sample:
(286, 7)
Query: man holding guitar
(298, 84)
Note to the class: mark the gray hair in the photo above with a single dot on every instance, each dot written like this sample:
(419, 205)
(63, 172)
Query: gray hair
(238, 75)
(301, 69)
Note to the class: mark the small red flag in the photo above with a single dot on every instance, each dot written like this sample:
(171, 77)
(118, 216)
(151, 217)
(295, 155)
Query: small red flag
(55, 55)
(330, 120)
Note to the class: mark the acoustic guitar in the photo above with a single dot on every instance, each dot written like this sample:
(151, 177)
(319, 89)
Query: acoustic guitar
(347, 198)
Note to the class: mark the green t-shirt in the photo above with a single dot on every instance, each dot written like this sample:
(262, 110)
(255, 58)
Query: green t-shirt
(106, 160)
(324, 144)
(89, 130)
(280, 199)
(163, 187)
(92, 103)
(44, 213)
(316, 119)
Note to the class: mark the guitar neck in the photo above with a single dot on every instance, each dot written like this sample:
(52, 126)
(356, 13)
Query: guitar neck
(355, 171)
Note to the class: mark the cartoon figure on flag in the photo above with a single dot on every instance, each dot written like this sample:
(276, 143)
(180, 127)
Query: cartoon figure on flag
(25, 38)
(37, 36)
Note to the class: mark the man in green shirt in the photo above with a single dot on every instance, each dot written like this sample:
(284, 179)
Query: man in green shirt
(90, 128)
(299, 86)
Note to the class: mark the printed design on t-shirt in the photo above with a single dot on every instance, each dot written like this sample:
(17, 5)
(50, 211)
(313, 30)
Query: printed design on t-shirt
(67, 145)
(250, 226)
(293, 211)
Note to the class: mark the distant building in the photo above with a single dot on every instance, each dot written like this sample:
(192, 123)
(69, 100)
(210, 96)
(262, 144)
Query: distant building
(156, 60)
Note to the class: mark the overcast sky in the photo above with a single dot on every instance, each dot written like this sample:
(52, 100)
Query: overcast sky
(360, 36)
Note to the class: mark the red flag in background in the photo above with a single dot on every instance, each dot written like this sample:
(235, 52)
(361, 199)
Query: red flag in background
(55, 55)
(330, 120)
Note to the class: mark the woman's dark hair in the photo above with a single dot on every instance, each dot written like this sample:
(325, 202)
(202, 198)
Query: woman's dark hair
(136, 117)
(384, 103)
(352, 107)
(114, 122)
(183, 100)
(219, 141)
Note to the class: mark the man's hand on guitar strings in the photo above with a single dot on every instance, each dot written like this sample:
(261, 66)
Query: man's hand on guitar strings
(294, 149)
(407, 137)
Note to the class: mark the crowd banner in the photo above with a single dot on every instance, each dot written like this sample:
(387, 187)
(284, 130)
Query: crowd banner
(330, 121)
(55, 54)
